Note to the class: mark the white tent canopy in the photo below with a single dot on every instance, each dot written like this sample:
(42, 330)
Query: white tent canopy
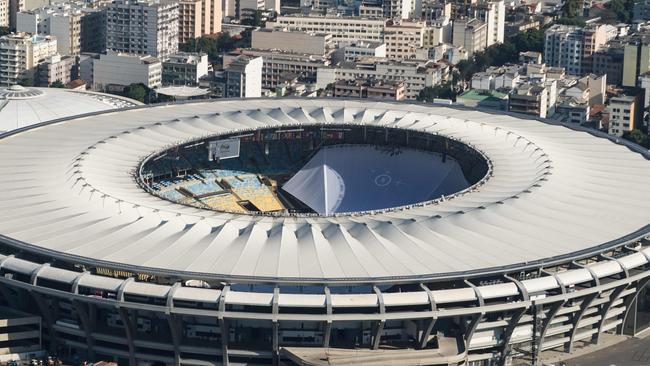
(363, 178)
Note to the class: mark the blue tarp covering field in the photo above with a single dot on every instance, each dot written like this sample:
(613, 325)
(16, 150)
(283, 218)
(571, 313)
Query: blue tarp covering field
(361, 178)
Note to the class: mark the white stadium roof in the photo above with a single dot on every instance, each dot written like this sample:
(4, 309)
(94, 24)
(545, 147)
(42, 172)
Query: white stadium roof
(21, 106)
(68, 190)
(182, 91)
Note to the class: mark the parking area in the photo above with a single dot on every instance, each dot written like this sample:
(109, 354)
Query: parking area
(633, 352)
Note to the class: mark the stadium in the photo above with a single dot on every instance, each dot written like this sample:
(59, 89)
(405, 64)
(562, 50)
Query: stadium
(318, 232)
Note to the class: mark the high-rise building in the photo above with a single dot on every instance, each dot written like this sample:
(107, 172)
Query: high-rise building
(93, 30)
(20, 54)
(493, 14)
(4, 13)
(14, 7)
(243, 78)
(147, 27)
(197, 18)
(228, 8)
(399, 9)
(622, 112)
(470, 34)
(61, 21)
(636, 59)
(402, 40)
(243, 6)
(609, 61)
(436, 10)
(572, 47)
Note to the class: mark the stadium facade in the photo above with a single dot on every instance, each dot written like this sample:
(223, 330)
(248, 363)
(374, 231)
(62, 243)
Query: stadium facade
(131, 247)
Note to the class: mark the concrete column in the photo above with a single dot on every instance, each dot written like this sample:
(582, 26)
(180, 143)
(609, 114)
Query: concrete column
(328, 323)
(628, 302)
(175, 332)
(550, 315)
(586, 303)
(615, 295)
(379, 329)
(86, 326)
(129, 331)
(48, 316)
(223, 322)
(430, 323)
(509, 331)
(476, 318)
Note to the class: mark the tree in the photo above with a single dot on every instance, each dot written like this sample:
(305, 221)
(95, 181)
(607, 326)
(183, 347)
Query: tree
(579, 21)
(136, 91)
(638, 137)
(257, 20)
(623, 10)
(501, 54)
(57, 84)
(442, 91)
(215, 46)
(570, 8)
(530, 40)
(26, 82)
(4, 31)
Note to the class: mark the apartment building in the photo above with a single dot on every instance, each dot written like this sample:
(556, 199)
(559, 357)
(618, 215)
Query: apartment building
(577, 96)
(371, 11)
(248, 6)
(116, 70)
(493, 14)
(20, 54)
(534, 97)
(369, 89)
(401, 9)
(358, 50)
(641, 11)
(197, 18)
(636, 56)
(573, 47)
(185, 68)
(243, 77)
(296, 42)
(15, 6)
(4, 13)
(609, 60)
(60, 21)
(55, 68)
(416, 75)
(404, 39)
(145, 27)
(93, 30)
(496, 78)
(342, 29)
(471, 34)
(433, 10)
(644, 83)
(279, 66)
(622, 112)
